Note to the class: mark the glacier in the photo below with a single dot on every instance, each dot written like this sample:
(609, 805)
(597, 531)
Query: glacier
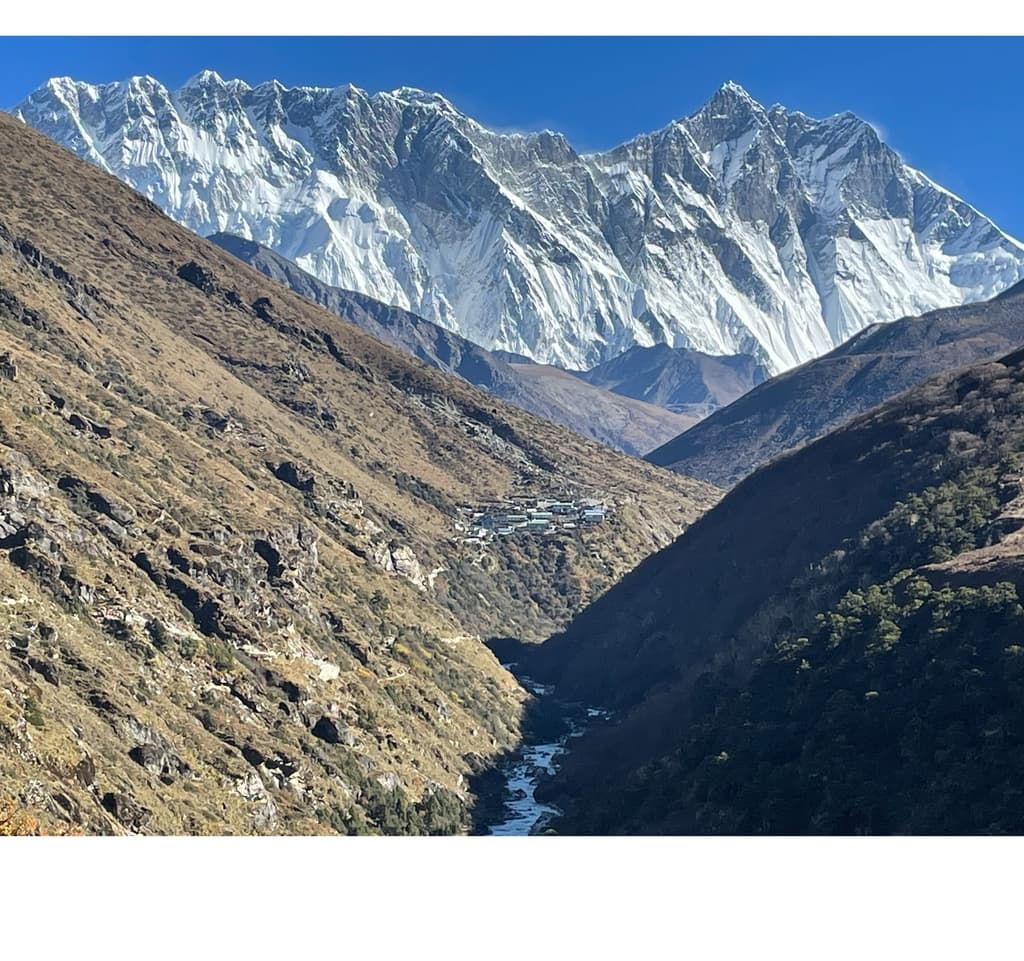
(737, 229)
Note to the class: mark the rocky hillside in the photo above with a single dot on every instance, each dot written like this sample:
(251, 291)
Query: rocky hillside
(834, 648)
(234, 596)
(871, 367)
(682, 380)
(738, 229)
(629, 425)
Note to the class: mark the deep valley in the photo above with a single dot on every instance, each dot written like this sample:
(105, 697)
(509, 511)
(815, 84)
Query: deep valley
(368, 471)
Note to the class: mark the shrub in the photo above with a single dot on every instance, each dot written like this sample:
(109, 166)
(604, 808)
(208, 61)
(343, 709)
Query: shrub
(33, 712)
(15, 822)
(158, 633)
(379, 603)
(220, 654)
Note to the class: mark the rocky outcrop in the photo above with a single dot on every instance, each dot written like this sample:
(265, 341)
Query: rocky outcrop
(192, 273)
(329, 730)
(8, 369)
(293, 475)
(126, 810)
(262, 809)
(400, 559)
(19, 483)
(82, 297)
(84, 424)
(152, 750)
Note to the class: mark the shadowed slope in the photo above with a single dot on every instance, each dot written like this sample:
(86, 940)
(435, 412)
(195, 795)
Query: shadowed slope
(833, 648)
(872, 366)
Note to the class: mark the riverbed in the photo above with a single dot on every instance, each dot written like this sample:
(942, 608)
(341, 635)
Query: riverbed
(536, 759)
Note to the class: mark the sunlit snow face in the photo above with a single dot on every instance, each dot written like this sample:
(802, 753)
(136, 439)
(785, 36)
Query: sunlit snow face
(735, 230)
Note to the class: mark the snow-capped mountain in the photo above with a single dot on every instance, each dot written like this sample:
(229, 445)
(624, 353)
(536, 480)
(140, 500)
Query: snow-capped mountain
(739, 229)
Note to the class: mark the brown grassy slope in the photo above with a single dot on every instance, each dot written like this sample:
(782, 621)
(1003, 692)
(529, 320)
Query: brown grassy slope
(181, 612)
(614, 419)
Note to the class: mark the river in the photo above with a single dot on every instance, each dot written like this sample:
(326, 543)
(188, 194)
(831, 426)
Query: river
(536, 759)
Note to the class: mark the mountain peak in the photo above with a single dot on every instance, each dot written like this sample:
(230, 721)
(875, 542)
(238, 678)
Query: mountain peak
(204, 78)
(59, 83)
(60, 87)
(731, 98)
(143, 84)
(728, 113)
(416, 95)
(212, 83)
(734, 90)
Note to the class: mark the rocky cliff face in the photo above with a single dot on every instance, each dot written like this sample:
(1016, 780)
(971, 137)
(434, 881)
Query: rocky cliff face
(738, 229)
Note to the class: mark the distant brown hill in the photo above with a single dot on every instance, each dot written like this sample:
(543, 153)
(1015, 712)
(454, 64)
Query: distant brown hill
(234, 595)
(614, 419)
(686, 381)
(871, 367)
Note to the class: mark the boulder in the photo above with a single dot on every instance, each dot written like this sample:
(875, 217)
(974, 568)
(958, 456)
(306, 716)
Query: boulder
(390, 781)
(85, 771)
(152, 750)
(199, 277)
(293, 475)
(89, 426)
(329, 730)
(126, 810)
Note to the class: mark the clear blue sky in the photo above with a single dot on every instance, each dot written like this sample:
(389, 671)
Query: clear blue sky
(952, 107)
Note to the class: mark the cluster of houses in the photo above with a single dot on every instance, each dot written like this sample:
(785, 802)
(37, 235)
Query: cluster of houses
(483, 522)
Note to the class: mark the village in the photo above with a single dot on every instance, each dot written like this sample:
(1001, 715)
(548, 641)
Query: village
(478, 523)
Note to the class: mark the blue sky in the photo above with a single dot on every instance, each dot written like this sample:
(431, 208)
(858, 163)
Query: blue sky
(951, 106)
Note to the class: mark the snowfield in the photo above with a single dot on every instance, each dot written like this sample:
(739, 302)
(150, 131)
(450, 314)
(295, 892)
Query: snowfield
(739, 229)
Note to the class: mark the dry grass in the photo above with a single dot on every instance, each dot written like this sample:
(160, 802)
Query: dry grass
(199, 392)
